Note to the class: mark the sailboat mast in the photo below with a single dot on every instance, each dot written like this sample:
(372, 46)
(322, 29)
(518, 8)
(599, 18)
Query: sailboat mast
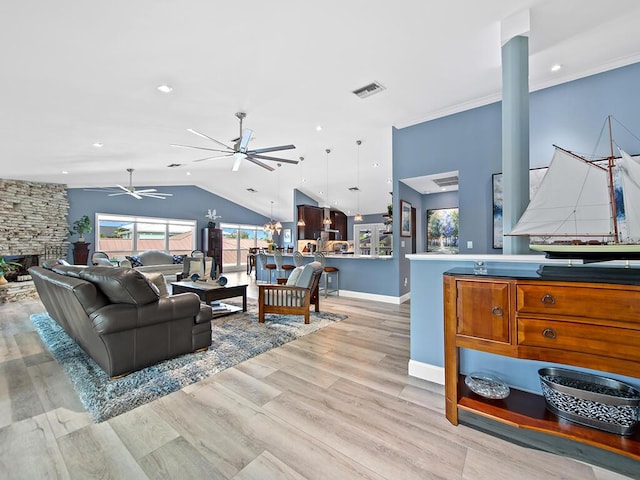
(612, 195)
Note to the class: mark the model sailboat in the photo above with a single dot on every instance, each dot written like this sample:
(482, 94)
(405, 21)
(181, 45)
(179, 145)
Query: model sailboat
(586, 210)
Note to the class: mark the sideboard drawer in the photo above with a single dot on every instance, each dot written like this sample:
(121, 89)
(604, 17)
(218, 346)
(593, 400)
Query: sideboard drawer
(579, 337)
(601, 303)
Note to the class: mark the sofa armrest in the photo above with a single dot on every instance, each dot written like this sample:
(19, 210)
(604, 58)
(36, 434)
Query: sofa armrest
(205, 315)
(118, 317)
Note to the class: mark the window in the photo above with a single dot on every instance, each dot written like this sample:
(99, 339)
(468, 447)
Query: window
(372, 239)
(236, 242)
(120, 235)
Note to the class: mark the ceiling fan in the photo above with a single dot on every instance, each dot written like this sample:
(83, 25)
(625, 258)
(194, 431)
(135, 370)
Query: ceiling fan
(131, 190)
(240, 150)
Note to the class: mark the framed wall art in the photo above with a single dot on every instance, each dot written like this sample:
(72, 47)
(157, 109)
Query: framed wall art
(442, 230)
(405, 219)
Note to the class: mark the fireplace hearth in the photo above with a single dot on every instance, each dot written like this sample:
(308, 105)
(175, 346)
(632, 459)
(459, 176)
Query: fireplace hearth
(21, 273)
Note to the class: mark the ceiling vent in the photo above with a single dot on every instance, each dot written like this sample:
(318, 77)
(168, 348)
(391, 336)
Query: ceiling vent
(354, 189)
(252, 190)
(369, 90)
(174, 165)
(446, 181)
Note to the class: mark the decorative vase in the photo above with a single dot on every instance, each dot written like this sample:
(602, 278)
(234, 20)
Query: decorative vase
(3, 281)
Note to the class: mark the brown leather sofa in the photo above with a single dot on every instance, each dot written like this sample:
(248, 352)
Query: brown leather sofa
(119, 317)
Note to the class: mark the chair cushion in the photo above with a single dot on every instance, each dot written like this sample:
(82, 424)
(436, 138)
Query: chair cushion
(158, 282)
(304, 280)
(295, 275)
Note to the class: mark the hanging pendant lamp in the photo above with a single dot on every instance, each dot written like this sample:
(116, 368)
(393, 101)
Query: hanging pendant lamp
(358, 216)
(301, 222)
(327, 219)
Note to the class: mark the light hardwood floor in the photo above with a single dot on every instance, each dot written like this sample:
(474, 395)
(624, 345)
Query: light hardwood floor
(336, 404)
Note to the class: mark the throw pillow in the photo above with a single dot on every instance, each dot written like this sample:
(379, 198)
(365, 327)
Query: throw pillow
(157, 282)
(178, 258)
(135, 261)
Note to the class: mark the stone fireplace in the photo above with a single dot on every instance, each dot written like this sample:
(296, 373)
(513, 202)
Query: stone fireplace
(34, 224)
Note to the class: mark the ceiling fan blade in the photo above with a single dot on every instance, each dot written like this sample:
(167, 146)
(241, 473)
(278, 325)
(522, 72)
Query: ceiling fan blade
(199, 148)
(236, 163)
(147, 190)
(275, 159)
(246, 136)
(126, 190)
(211, 158)
(271, 149)
(208, 137)
(258, 162)
(159, 195)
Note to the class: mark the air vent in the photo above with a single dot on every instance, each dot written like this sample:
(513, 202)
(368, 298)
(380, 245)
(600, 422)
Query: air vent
(354, 189)
(446, 181)
(175, 165)
(252, 190)
(369, 90)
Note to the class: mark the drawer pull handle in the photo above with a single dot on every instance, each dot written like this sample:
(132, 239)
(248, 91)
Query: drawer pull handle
(497, 311)
(548, 299)
(549, 333)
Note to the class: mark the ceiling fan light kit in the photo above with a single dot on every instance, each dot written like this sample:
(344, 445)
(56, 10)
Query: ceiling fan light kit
(240, 150)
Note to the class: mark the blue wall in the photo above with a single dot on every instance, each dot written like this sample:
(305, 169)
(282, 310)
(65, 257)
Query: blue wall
(188, 203)
(570, 115)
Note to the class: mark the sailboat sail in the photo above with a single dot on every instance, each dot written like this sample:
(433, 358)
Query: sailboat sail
(572, 200)
(629, 171)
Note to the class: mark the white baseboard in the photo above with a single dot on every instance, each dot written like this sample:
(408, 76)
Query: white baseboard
(375, 297)
(425, 371)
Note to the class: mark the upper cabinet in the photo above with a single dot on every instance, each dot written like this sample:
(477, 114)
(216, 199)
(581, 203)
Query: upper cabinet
(339, 223)
(312, 217)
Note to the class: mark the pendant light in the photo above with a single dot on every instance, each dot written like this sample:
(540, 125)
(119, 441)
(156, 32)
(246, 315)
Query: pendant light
(358, 216)
(327, 219)
(301, 222)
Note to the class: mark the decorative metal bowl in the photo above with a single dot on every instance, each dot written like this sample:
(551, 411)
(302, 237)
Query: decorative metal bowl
(591, 400)
(487, 385)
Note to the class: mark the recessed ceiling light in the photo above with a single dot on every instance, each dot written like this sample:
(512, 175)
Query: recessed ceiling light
(389, 181)
(165, 88)
(376, 165)
(98, 145)
(320, 192)
(319, 128)
(556, 67)
(64, 172)
(188, 173)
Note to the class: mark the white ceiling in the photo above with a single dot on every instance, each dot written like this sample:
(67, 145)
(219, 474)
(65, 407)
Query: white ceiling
(79, 72)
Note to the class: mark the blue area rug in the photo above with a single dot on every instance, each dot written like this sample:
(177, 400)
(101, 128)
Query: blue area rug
(235, 338)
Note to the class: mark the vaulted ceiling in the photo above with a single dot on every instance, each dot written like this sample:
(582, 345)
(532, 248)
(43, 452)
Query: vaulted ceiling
(78, 73)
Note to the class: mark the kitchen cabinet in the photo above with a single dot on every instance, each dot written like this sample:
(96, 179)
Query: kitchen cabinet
(339, 223)
(312, 217)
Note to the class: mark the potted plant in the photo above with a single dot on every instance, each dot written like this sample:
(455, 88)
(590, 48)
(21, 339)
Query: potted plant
(6, 267)
(80, 227)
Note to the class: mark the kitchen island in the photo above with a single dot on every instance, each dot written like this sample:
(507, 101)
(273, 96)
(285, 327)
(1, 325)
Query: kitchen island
(361, 276)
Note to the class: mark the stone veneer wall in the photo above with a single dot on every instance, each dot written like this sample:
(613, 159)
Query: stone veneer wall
(33, 215)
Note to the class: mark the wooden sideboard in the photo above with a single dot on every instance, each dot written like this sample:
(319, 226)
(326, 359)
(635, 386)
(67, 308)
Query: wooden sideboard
(584, 324)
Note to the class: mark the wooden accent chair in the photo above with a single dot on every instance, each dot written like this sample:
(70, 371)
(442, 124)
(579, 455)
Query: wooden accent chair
(293, 298)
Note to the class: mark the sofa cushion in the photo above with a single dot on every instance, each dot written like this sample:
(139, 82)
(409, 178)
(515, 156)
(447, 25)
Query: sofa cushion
(68, 270)
(135, 260)
(121, 285)
(155, 257)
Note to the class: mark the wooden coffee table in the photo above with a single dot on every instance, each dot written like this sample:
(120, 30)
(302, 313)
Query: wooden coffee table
(210, 291)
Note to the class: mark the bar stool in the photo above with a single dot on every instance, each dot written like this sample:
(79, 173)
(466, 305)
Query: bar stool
(285, 268)
(269, 266)
(298, 259)
(319, 257)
